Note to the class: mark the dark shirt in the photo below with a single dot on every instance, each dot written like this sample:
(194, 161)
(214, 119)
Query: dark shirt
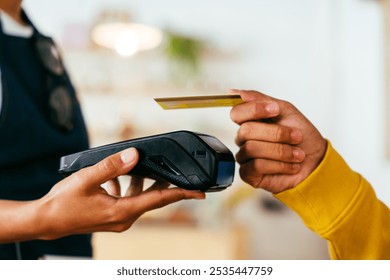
(30, 143)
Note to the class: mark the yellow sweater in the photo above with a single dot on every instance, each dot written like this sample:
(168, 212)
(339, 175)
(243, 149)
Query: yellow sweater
(341, 206)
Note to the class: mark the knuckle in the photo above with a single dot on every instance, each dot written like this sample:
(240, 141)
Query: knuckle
(162, 201)
(282, 152)
(240, 156)
(240, 136)
(257, 108)
(244, 131)
(108, 165)
(296, 167)
(234, 115)
(241, 132)
(287, 104)
(291, 167)
(76, 178)
(258, 165)
(249, 175)
(237, 140)
(247, 150)
(260, 184)
(244, 174)
(278, 134)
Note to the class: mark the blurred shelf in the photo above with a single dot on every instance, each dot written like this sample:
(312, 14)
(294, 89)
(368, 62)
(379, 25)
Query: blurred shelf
(101, 72)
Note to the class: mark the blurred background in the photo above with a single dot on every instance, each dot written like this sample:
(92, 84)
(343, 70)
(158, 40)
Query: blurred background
(328, 57)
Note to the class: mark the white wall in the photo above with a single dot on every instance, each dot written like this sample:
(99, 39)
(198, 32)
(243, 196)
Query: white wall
(359, 90)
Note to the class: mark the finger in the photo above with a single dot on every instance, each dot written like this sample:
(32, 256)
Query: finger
(158, 198)
(114, 187)
(268, 132)
(254, 111)
(109, 168)
(136, 186)
(158, 185)
(259, 167)
(266, 150)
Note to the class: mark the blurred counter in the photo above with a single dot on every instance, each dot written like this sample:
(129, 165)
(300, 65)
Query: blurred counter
(171, 242)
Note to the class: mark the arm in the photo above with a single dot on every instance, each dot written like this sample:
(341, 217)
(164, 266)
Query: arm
(78, 204)
(341, 206)
(282, 152)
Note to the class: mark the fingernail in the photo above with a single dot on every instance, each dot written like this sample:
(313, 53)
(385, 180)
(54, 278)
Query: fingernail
(128, 156)
(298, 154)
(272, 108)
(296, 135)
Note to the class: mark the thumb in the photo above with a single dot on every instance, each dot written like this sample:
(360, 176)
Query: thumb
(109, 168)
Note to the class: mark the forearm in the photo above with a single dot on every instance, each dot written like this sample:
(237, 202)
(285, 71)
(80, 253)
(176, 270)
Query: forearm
(341, 206)
(19, 221)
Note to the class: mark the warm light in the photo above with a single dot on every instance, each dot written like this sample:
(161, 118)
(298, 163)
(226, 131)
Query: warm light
(126, 38)
(127, 43)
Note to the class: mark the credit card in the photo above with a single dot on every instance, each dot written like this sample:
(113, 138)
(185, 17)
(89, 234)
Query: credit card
(199, 101)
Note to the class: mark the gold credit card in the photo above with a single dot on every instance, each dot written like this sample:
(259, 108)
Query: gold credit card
(199, 101)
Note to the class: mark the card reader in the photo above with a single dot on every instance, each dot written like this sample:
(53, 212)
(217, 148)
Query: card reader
(189, 160)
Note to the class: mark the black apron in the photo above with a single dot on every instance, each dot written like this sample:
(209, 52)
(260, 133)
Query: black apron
(30, 143)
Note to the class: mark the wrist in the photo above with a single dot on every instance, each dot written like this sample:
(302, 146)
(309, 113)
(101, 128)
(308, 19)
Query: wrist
(321, 152)
(47, 224)
(331, 183)
(317, 157)
(20, 221)
(32, 221)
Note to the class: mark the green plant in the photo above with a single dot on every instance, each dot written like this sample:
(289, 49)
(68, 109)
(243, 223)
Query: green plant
(184, 54)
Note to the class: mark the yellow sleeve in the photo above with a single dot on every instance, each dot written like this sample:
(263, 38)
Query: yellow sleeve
(341, 206)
